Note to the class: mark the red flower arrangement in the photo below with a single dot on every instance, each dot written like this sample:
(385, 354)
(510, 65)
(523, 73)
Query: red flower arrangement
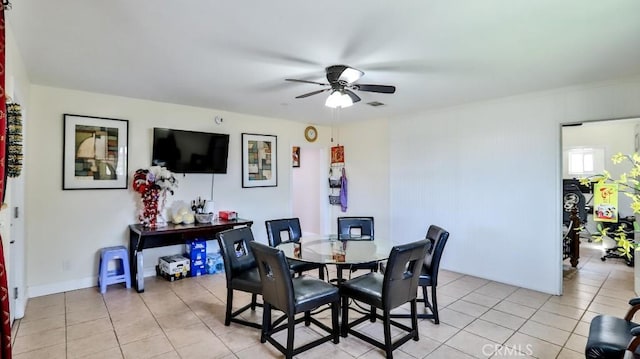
(153, 184)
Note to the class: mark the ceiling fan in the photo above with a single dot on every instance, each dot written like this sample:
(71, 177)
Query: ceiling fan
(342, 80)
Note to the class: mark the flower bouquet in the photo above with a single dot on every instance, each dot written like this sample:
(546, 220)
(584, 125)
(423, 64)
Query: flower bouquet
(153, 184)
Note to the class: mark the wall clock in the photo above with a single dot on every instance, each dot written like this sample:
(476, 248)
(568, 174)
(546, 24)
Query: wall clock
(310, 133)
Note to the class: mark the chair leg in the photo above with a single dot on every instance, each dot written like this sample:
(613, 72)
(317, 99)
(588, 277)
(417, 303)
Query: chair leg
(373, 314)
(335, 309)
(345, 315)
(291, 327)
(434, 300)
(254, 300)
(266, 322)
(227, 315)
(388, 345)
(321, 273)
(414, 319)
(307, 318)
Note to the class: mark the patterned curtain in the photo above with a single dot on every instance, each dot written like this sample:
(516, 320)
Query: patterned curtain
(5, 321)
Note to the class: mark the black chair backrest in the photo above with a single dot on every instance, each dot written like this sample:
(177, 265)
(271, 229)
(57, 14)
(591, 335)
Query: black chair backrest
(401, 277)
(236, 252)
(349, 225)
(276, 227)
(277, 286)
(438, 238)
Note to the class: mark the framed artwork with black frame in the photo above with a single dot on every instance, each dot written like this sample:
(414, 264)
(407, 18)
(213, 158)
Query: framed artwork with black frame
(259, 160)
(95, 153)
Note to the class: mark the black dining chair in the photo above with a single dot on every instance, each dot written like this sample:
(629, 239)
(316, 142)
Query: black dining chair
(241, 271)
(276, 228)
(355, 228)
(397, 286)
(437, 238)
(291, 295)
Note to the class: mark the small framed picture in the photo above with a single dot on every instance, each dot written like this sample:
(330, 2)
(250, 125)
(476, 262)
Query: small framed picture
(295, 156)
(259, 160)
(95, 153)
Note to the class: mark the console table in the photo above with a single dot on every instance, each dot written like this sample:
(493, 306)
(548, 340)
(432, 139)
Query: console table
(171, 234)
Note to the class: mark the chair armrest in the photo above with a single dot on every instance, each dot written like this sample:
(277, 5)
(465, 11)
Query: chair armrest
(635, 341)
(635, 305)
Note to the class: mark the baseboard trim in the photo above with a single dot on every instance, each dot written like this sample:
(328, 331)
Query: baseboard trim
(60, 287)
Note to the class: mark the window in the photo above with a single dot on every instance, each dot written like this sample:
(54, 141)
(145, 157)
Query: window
(585, 161)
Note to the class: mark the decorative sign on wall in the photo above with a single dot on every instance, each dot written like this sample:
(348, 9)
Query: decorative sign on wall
(605, 202)
(14, 138)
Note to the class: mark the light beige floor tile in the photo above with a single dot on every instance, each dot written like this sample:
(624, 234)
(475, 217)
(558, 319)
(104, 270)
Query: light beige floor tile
(516, 309)
(472, 344)
(545, 332)
(41, 325)
(421, 347)
(51, 352)
(147, 347)
(468, 308)
(447, 352)
(496, 290)
(211, 349)
(491, 331)
(145, 328)
(576, 342)
(456, 319)
(564, 310)
(181, 337)
(555, 320)
(570, 354)
(178, 320)
(505, 319)
(40, 340)
(93, 344)
(87, 329)
(481, 299)
(534, 347)
(582, 328)
(113, 353)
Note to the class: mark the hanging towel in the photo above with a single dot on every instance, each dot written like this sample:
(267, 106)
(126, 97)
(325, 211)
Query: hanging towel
(343, 191)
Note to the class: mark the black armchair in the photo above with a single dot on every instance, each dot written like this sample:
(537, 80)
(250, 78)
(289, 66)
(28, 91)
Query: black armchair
(241, 271)
(396, 287)
(291, 226)
(613, 337)
(292, 296)
(353, 227)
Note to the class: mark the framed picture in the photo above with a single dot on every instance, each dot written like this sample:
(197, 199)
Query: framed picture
(259, 160)
(295, 156)
(95, 153)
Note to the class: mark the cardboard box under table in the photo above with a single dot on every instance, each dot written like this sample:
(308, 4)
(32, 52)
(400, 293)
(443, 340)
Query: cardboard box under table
(173, 267)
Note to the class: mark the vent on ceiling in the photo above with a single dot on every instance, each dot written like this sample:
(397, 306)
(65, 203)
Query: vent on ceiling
(375, 103)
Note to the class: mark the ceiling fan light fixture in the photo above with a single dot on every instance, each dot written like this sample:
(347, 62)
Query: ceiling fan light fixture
(350, 75)
(338, 99)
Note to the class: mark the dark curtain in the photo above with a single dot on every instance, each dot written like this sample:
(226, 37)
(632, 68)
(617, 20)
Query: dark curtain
(5, 321)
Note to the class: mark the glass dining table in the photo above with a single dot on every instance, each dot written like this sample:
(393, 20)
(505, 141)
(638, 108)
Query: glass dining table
(336, 249)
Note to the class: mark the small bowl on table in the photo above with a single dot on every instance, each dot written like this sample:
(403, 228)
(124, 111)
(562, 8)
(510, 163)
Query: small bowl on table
(204, 217)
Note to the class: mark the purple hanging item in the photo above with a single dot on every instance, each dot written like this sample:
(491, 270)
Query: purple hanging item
(343, 191)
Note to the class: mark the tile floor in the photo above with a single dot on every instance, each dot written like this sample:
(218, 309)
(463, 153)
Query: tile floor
(184, 319)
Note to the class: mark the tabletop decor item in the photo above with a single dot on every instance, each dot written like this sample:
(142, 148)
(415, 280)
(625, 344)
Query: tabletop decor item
(153, 184)
(629, 184)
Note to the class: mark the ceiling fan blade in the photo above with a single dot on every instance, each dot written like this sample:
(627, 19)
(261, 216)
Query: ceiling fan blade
(375, 88)
(313, 93)
(353, 96)
(307, 82)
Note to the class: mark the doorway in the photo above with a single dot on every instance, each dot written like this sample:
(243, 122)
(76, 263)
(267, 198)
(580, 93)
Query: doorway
(587, 149)
(310, 190)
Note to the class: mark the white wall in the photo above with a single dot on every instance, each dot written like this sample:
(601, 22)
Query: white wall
(65, 229)
(366, 156)
(490, 173)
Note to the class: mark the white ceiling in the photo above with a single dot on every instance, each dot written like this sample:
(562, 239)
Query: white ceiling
(235, 55)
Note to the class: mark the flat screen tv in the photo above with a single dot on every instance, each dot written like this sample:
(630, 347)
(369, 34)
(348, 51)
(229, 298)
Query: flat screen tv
(190, 151)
